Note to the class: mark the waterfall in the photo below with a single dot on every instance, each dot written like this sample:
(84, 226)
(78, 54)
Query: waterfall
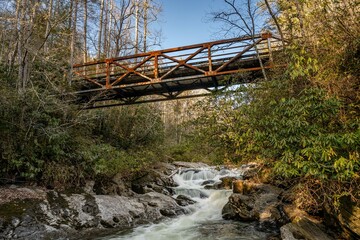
(204, 220)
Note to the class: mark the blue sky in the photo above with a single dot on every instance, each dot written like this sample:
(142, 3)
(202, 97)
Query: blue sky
(185, 22)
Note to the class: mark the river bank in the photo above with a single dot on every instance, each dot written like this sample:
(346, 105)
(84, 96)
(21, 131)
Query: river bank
(197, 193)
(39, 213)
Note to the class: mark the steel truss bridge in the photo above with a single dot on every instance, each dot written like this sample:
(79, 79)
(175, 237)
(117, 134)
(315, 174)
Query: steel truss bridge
(171, 73)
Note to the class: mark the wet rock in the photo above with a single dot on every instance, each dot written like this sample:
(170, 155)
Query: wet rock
(194, 193)
(168, 212)
(239, 207)
(117, 207)
(238, 186)
(260, 203)
(227, 182)
(215, 186)
(223, 171)
(193, 165)
(187, 170)
(208, 182)
(61, 215)
(302, 226)
(162, 202)
(303, 229)
(289, 232)
(246, 186)
(154, 180)
(139, 189)
(183, 200)
(347, 217)
(249, 170)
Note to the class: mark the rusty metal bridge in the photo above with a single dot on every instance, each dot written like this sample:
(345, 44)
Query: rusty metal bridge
(168, 74)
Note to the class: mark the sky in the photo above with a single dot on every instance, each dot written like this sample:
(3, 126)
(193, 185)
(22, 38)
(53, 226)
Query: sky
(185, 22)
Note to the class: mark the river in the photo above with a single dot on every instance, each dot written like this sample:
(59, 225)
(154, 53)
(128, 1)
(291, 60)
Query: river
(203, 220)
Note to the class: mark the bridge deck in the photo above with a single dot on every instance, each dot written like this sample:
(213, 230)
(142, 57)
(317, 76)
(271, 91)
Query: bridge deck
(170, 72)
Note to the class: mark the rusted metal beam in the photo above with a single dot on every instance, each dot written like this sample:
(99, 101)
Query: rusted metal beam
(165, 70)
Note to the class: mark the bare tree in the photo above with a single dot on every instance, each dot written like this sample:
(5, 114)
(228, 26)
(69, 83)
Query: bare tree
(100, 27)
(274, 18)
(122, 26)
(146, 9)
(241, 17)
(27, 22)
(137, 23)
(73, 35)
(48, 21)
(109, 31)
(85, 30)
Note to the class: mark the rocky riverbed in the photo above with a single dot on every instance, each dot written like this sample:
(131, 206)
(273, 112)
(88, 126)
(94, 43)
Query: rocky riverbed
(109, 206)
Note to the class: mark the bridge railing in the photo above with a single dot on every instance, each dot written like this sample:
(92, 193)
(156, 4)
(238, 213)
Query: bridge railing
(200, 60)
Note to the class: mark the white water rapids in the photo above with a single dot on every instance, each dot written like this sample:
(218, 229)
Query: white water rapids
(204, 220)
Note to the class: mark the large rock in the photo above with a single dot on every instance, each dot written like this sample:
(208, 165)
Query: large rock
(106, 203)
(244, 186)
(302, 226)
(57, 215)
(157, 179)
(183, 200)
(303, 229)
(249, 170)
(347, 217)
(226, 183)
(260, 203)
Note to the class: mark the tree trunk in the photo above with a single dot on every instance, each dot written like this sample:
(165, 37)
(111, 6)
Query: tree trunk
(85, 31)
(16, 37)
(136, 26)
(100, 27)
(20, 45)
(47, 30)
(275, 21)
(111, 10)
(105, 27)
(73, 38)
(146, 9)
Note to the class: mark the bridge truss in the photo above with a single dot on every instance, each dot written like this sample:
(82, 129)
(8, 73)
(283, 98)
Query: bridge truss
(171, 73)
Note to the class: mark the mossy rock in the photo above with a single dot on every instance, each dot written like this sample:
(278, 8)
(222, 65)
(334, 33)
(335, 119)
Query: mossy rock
(16, 209)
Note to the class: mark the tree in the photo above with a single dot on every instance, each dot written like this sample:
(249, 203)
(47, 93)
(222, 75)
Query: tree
(240, 18)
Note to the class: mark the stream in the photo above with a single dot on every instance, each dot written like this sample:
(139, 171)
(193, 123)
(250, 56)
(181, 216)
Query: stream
(203, 220)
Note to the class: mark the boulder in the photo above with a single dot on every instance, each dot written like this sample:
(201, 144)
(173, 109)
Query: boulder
(153, 180)
(260, 203)
(289, 232)
(347, 217)
(249, 170)
(244, 186)
(303, 229)
(227, 182)
(208, 182)
(302, 226)
(62, 215)
(238, 186)
(183, 200)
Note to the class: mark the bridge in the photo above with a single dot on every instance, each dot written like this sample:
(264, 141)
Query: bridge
(171, 73)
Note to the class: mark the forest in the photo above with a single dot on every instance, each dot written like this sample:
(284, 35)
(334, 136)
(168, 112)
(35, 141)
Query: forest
(302, 123)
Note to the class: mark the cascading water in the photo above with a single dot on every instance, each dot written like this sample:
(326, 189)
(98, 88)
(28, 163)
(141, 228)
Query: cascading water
(204, 220)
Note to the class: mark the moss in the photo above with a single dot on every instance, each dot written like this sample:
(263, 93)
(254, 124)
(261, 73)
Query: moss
(17, 208)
